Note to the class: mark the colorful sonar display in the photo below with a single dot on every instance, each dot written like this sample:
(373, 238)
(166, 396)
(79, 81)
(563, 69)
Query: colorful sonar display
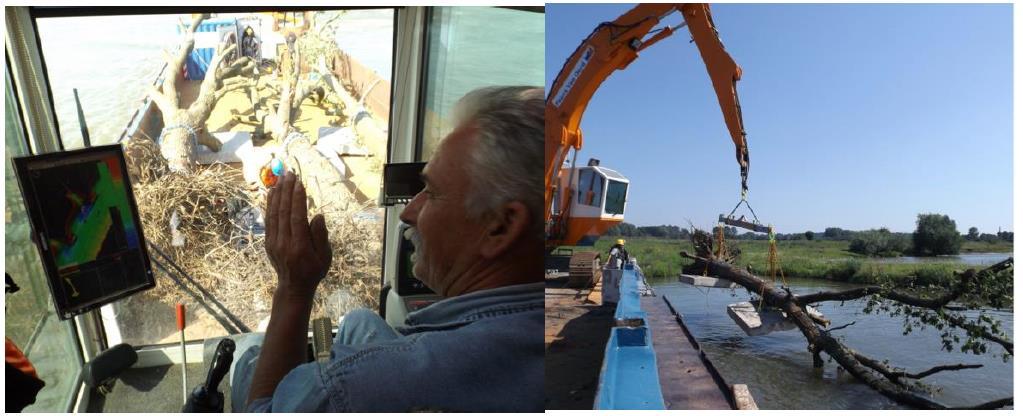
(98, 218)
(85, 223)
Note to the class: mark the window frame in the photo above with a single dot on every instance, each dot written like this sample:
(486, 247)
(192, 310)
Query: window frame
(73, 395)
(91, 334)
(424, 65)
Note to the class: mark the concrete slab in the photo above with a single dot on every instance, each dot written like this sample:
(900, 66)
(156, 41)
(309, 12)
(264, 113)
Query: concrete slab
(235, 147)
(340, 140)
(704, 281)
(764, 321)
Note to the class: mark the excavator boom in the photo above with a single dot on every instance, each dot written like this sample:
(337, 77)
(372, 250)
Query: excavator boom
(613, 46)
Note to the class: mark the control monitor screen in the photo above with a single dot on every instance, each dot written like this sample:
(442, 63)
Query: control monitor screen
(86, 226)
(402, 182)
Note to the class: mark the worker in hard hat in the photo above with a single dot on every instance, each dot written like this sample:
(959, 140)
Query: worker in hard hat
(618, 256)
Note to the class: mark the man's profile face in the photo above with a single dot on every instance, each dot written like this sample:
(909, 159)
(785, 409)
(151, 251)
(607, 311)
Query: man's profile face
(447, 238)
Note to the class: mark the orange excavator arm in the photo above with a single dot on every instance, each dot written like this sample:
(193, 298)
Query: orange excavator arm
(613, 46)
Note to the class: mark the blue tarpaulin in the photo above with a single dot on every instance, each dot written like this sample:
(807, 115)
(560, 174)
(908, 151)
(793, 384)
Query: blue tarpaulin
(207, 38)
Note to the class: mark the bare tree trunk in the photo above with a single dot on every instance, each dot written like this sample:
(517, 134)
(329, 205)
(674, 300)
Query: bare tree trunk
(324, 183)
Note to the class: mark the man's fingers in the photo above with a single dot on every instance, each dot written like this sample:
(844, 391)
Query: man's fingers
(283, 202)
(299, 213)
(321, 241)
(271, 216)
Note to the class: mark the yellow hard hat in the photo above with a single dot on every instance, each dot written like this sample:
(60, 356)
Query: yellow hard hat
(621, 242)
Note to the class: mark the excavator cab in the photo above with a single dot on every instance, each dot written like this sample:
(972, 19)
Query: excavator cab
(598, 202)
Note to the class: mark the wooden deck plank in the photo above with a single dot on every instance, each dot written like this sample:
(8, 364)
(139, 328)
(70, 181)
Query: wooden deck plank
(686, 382)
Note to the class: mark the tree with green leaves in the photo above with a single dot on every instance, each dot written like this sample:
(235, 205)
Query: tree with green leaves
(936, 235)
(879, 243)
(973, 234)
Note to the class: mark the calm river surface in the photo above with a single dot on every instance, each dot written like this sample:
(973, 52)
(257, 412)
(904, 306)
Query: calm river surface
(972, 259)
(778, 369)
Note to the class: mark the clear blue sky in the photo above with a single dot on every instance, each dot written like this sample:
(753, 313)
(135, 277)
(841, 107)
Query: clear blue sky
(858, 116)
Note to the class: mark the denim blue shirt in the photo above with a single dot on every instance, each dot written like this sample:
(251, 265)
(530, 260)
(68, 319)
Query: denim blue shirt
(480, 352)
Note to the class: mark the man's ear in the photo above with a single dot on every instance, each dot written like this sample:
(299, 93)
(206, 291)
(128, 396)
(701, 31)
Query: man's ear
(504, 228)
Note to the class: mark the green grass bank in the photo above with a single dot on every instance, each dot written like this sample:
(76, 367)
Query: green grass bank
(819, 259)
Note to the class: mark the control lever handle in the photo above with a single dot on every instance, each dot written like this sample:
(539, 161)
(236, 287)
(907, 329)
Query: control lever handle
(206, 398)
(222, 360)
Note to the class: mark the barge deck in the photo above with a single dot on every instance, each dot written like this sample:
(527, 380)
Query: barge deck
(617, 356)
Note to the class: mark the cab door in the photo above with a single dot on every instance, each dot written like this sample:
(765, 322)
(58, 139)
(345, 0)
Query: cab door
(441, 54)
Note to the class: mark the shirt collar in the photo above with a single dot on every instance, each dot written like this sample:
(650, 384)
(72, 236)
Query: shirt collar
(475, 305)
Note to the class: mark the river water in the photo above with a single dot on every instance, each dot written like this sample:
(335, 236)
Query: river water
(778, 369)
(972, 259)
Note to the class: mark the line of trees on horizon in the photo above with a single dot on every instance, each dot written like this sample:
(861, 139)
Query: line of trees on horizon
(936, 234)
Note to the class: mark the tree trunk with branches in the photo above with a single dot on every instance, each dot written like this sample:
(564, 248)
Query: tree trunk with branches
(184, 128)
(324, 182)
(889, 381)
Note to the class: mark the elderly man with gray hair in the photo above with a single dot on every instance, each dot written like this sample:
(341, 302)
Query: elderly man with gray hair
(477, 229)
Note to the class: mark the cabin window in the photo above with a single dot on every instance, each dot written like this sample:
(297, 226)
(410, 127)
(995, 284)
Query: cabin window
(591, 188)
(473, 47)
(115, 60)
(31, 321)
(111, 61)
(615, 204)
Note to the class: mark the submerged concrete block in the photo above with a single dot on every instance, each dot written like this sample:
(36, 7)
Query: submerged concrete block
(765, 321)
(754, 323)
(704, 281)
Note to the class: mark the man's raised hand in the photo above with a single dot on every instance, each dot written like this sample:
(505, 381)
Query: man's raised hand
(298, 249)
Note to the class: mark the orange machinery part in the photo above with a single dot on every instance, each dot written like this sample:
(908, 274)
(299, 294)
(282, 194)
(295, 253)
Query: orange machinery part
(181, 316)
(613, 46)
(17, 359)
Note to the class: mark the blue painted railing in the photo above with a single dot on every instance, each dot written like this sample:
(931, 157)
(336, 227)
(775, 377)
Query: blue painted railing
(628, 377)
(629, 306)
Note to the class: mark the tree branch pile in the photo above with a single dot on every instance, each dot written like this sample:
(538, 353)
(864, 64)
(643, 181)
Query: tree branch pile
(222, 248)
(209, 221)
(703, 244)
(930, 303)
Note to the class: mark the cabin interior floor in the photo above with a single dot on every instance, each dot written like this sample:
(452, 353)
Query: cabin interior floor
(152, 390)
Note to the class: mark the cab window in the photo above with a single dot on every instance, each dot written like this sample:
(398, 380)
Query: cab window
(615, 204)
(113, 60)
(591, 187)
(462, 55)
